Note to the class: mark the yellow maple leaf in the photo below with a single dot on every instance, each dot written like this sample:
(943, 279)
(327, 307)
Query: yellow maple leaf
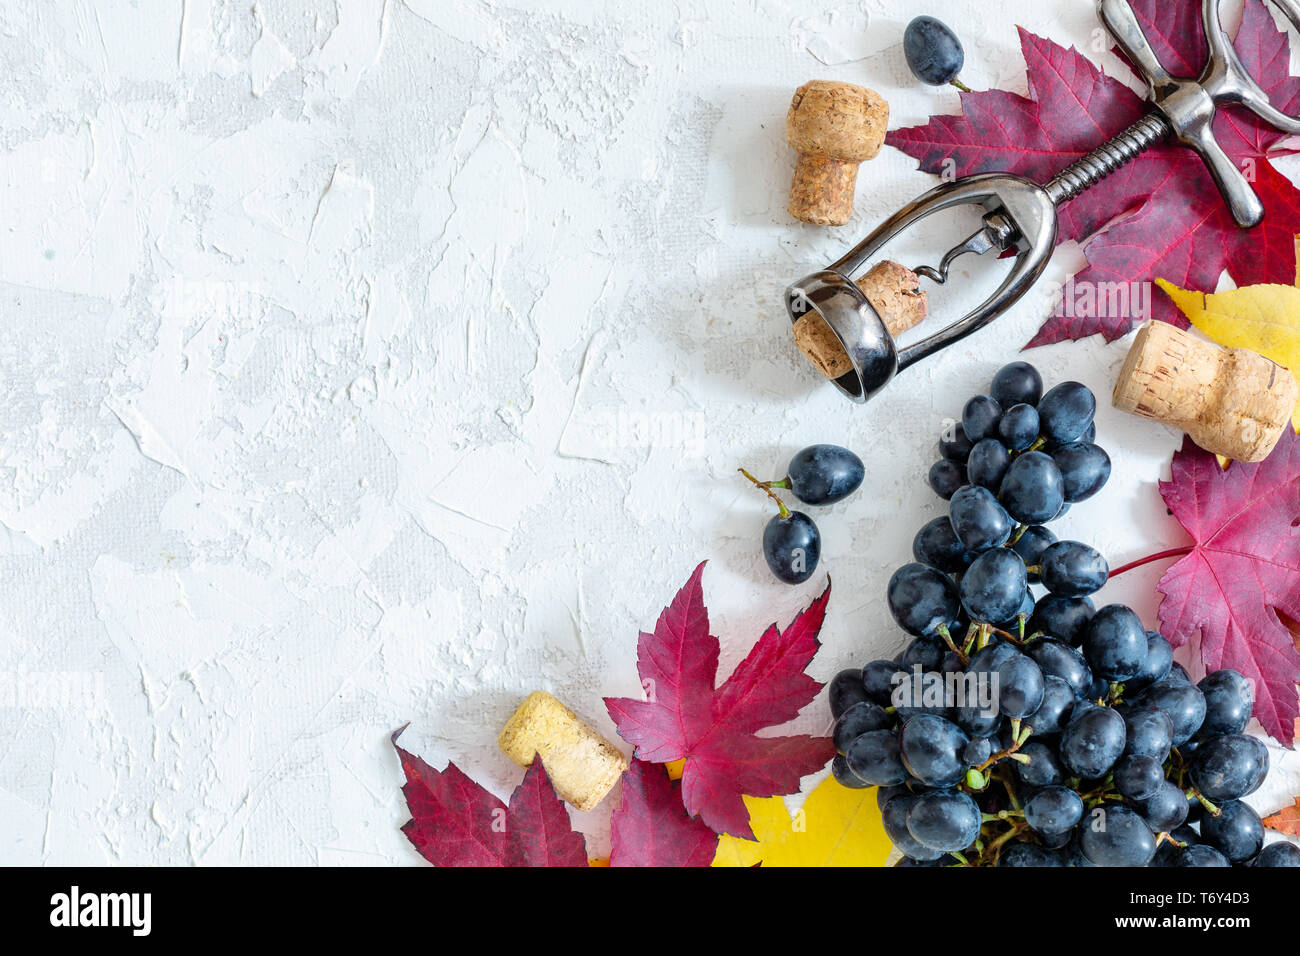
(1262, 318)
(835, 826)
(1286, 820)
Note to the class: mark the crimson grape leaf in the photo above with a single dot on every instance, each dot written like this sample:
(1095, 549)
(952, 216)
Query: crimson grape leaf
(652, 828)
(1243, 569)
(455, 822)
(714, 728)
(1165, 215)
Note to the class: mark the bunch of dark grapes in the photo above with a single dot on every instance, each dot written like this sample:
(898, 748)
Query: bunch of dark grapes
(1023, 731)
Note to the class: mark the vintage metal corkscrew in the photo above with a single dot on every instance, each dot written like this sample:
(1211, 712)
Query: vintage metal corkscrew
(1022, 215)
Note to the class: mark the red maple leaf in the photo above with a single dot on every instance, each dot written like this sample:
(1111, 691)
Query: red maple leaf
(455, 822)
(713, 728)
(1172, 221)
(652, 828)
(1243, 569)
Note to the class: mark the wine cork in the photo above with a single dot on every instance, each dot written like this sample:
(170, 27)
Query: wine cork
(892, 290)
(583, 766)
(1232, 402)
(833, 126)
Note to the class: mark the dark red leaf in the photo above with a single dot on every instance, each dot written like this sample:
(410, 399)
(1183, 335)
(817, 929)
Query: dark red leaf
(1158, 216)
(713, 729)
(652, 828)
(1243, 570)
(540, 831)
(455, 822)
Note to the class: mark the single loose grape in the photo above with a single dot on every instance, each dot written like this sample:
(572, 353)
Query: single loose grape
(933, 52)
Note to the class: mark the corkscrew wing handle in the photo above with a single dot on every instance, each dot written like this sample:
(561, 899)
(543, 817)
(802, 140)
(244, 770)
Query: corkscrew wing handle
(1190, 105)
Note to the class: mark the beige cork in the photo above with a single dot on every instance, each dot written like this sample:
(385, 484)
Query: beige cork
(833, 127)
(1232, 402)
(583, 765)
(892, 290)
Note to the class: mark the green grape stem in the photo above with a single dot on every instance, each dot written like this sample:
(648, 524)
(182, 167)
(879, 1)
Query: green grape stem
(1210, 808)
(942, 631)
(766, 488)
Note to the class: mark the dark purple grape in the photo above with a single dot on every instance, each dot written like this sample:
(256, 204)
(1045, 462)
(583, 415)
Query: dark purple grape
(1024, 612)
(993, 587)
(1017, 383)
(1236, 832)
(1073, 569)
(1027, 854)
(792, 546)
(845, 690)
(1032, 491)
(824, 474)
(894, 819)
(1115, 643)
(946, 477)
(874, 757)
(1181, 701)
(947, 820)
(1054, 810)
(1116, 836)
(1043, 768)
(1168, 851)
(1018, 427)
(1228, 702)
(1085, 469)
(933, 52)
(1139, 776)
(1066, 411)
(885, 794)
(1200, 855)
(925, 652)
(1053, 714)
(844, 776)
(1093, 741)
(1164, 809)
(1030, 546)
(922, 599)
(954, 446)
(979, 419)
(1160, 657)
(932, 748)
(978, 520)
(990, 657)
(936, 544)
(987, 463)
(978, 721)
(1229, 767)
(858, 720)
(1278, 854)
(878, 679)
(977, 751)
(1059, 659)
(1020, 687)
(1150, 733)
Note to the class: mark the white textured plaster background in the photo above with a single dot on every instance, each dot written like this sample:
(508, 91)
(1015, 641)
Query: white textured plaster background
(370, 362)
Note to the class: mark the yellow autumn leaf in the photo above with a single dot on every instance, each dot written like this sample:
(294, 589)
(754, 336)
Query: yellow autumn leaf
(836, 826)
(1262, 318)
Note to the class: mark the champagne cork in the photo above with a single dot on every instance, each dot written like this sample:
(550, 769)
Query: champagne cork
(892, 290)
(583, 766)
(1232, 402)
(833, 126)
